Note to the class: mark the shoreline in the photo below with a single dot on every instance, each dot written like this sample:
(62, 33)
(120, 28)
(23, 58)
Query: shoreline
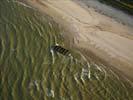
(107, 10)
(109, 40)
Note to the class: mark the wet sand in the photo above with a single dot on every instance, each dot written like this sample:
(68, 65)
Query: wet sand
(92, 32)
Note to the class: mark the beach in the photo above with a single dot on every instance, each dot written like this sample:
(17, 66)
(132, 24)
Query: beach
(64, 50)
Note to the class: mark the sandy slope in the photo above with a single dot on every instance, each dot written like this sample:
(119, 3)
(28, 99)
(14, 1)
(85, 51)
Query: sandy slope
(103, 36)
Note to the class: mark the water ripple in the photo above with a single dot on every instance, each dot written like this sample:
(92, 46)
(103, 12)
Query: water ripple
(29, 70)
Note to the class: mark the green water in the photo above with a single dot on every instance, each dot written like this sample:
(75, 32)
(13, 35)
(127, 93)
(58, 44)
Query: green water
(124, 5)
(29, 71)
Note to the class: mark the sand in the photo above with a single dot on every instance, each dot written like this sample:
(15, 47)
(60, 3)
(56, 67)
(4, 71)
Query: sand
(88, 30)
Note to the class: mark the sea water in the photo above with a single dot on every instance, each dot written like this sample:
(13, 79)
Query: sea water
(30, 71)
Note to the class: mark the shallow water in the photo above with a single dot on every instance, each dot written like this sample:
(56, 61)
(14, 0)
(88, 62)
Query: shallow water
(30, 71)
(119, 10)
